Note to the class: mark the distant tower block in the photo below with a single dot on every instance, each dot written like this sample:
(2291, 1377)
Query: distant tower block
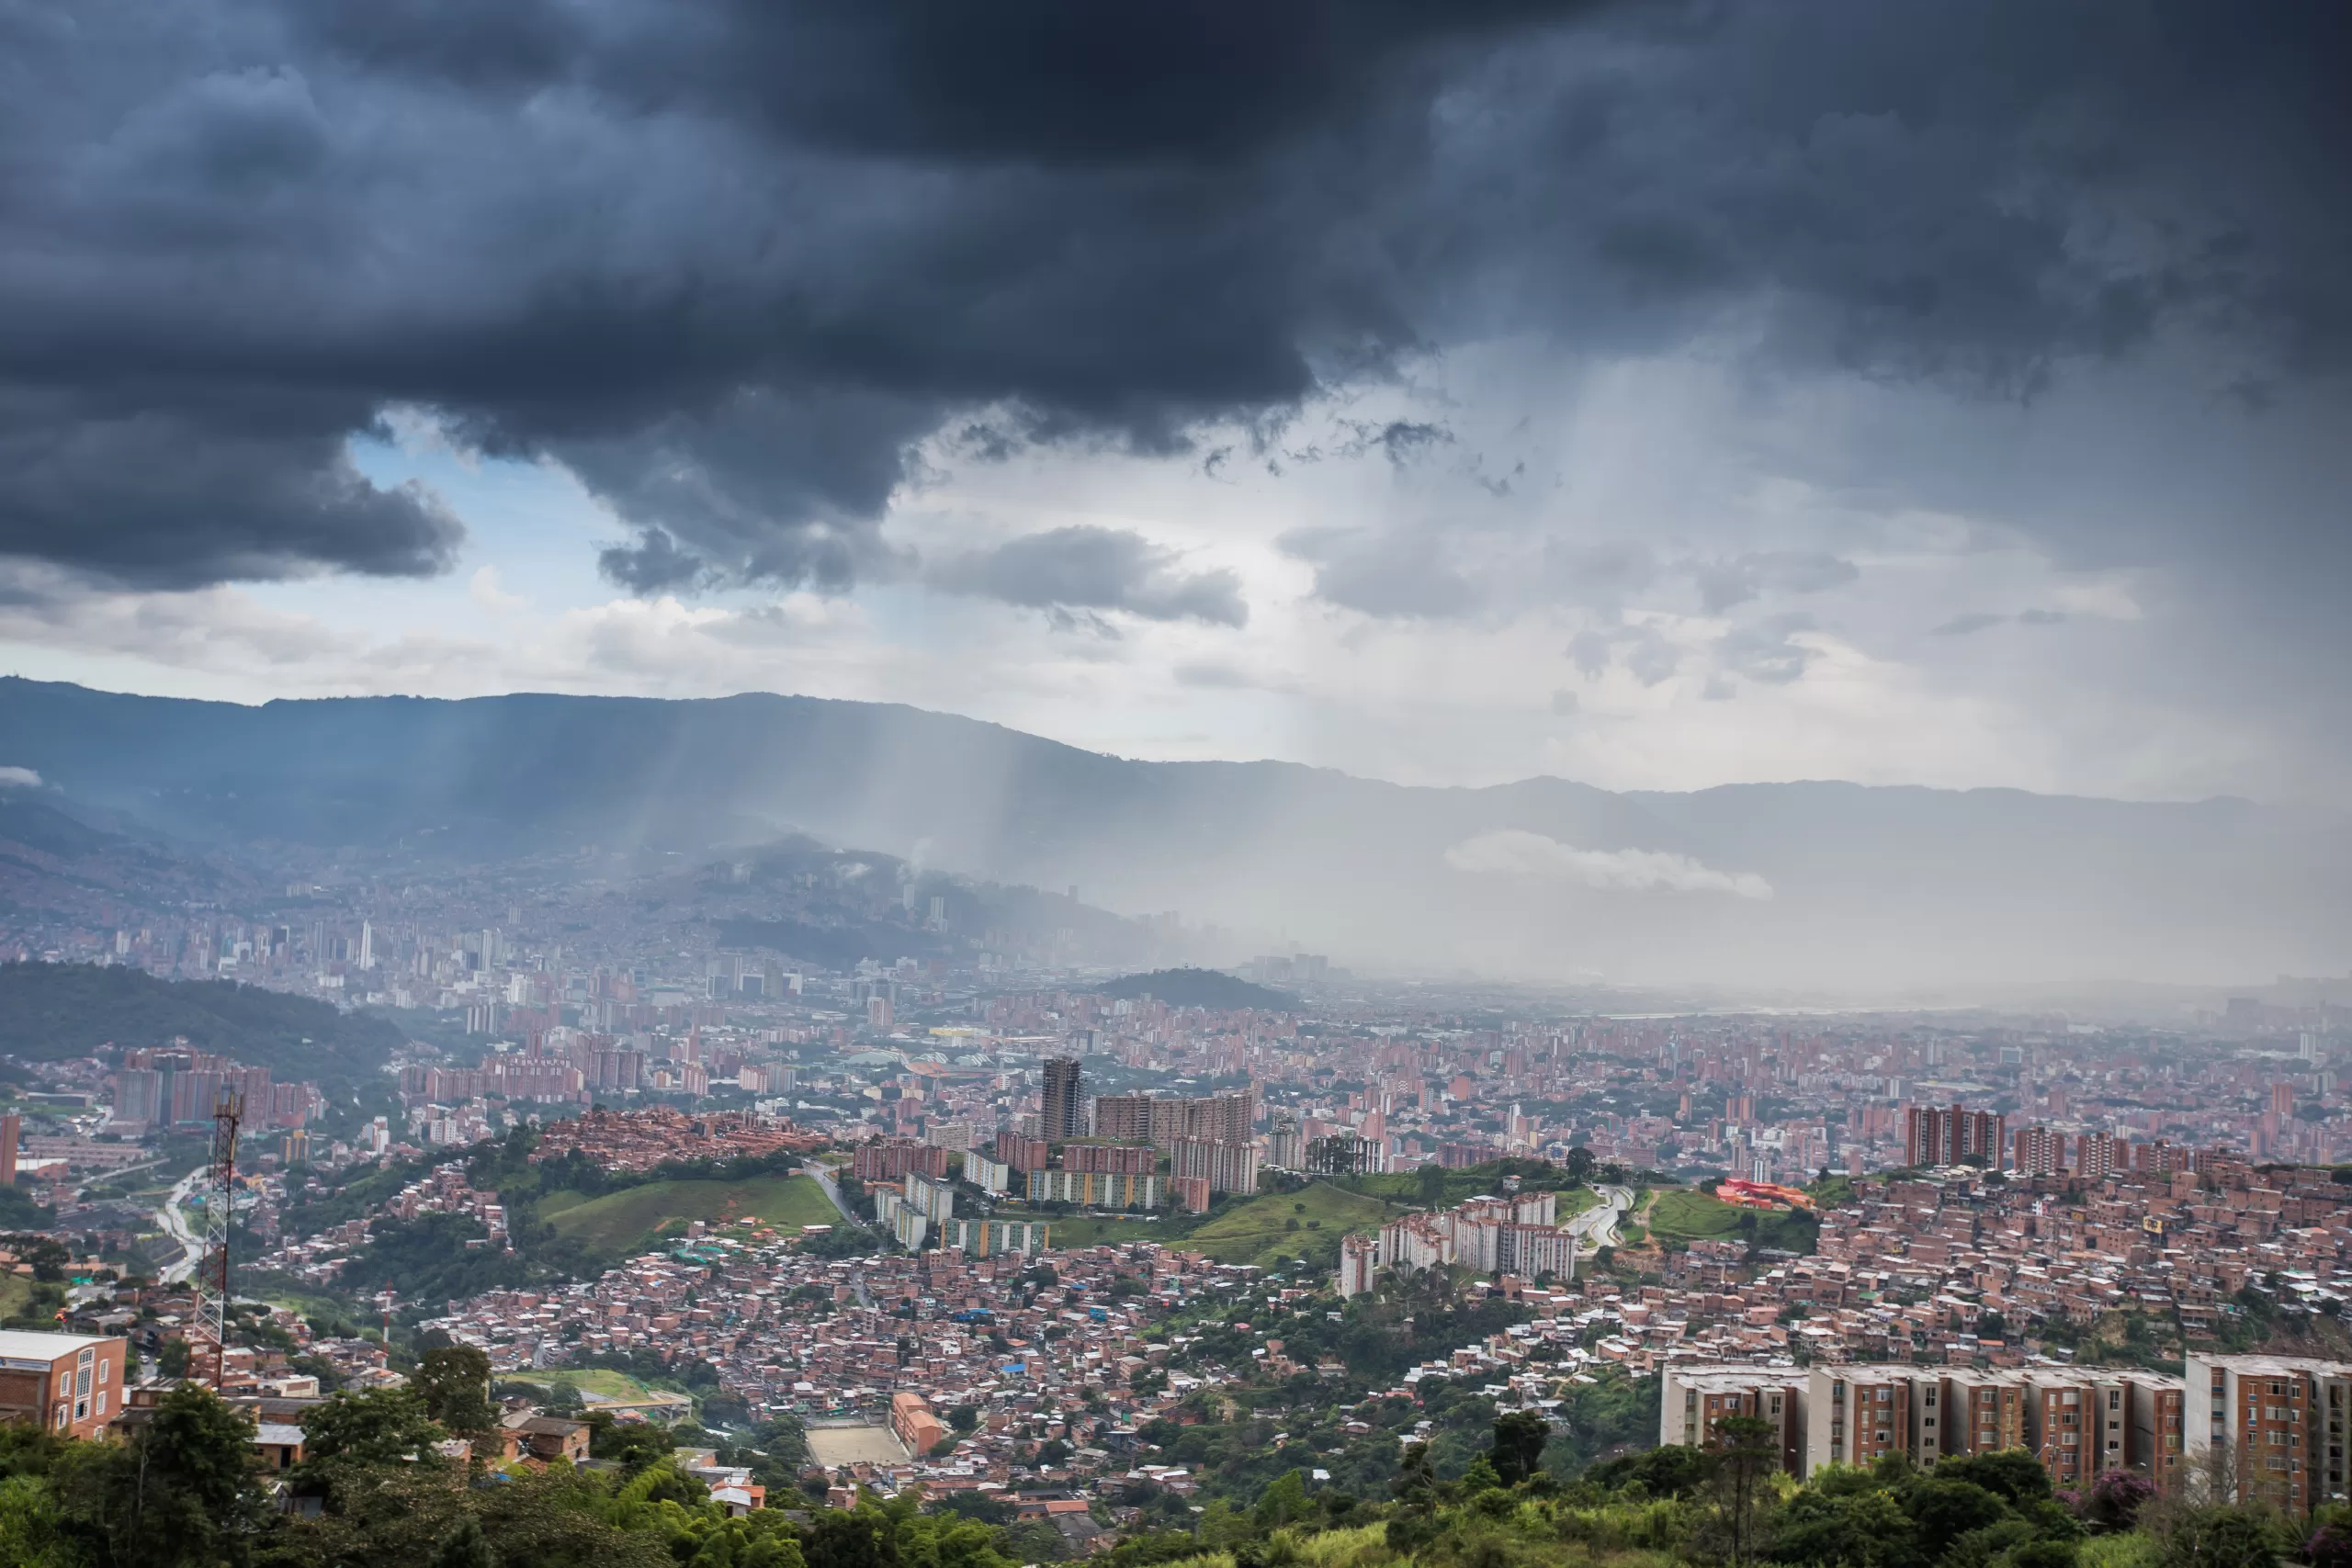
(1063, 1115)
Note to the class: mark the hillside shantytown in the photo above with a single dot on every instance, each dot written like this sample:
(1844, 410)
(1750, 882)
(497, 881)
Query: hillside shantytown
(1097, 1263)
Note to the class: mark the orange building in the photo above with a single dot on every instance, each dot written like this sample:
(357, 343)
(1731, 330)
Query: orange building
(911, 1419)
(68, 1383)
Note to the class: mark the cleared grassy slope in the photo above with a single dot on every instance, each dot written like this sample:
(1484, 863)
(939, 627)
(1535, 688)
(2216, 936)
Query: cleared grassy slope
(625, 1221)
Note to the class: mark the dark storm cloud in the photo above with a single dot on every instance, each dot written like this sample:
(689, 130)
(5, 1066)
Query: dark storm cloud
(1086, 567)
(730, 261)
(170, 498)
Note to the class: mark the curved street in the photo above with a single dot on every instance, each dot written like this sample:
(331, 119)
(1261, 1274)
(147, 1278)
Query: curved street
(1597, 1227)
(175, 1225)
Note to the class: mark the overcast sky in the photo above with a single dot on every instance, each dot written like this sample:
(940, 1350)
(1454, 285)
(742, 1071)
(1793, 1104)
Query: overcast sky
(1653, 394)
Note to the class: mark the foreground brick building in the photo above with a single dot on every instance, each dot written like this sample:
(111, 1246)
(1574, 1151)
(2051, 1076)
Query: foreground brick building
(67, 1383)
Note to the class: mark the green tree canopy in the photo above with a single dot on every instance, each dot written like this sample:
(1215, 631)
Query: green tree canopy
(454, 1383)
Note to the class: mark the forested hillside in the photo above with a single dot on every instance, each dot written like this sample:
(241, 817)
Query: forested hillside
(52, 1011)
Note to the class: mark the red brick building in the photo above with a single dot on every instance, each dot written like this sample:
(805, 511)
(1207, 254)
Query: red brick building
(67, 1384)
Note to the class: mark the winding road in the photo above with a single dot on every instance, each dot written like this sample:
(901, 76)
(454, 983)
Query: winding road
(176, 1227)
(1597, 1227)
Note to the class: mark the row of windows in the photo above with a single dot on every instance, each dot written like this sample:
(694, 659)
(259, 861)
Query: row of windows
(81, 1410)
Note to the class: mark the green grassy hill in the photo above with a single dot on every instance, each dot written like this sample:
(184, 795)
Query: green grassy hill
(1258, 1231)
(624, 1222)
(1689, 1213)
(1088, 1232)
(1253, 1230)
(1685, 1213)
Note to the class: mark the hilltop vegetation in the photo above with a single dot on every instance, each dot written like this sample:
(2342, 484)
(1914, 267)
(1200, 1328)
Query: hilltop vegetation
(1684, 1214)
(51, 1012)
(1274, 1227)
(624, 1222)
(569, 1218)
(1269, 1229)
(1437, 1187)
(1210, 989)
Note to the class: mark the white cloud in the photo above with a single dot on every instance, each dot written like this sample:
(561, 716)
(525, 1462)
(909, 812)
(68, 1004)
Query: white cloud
(20, 778)
(1514, 852)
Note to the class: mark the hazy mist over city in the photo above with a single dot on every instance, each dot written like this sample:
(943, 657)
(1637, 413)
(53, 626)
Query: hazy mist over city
(1820, 501)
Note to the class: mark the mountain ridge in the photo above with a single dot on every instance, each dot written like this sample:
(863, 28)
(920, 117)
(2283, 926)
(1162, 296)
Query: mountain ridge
(1790, 881)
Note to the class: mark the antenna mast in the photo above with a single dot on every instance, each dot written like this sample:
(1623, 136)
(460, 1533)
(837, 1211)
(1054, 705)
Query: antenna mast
(220, 1214)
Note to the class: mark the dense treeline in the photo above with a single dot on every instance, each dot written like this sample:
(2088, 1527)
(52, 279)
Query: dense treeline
(381, 1487)
(377, 1490)
(1729, 1506)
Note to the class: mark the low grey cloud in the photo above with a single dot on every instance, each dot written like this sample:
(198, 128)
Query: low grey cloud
(20, 778)
(1975, 621)
(1085, 567)
(1450, 571)
(1982, 620)
(1513, 852)
(1646, 653)
(1395, 574)
(1725, 583)
(1766, 650)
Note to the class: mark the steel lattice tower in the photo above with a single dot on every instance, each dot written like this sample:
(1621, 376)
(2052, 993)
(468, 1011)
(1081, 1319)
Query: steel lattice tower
(220, 1214)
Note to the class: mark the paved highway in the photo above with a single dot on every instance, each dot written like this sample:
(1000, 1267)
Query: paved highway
(175, 1225)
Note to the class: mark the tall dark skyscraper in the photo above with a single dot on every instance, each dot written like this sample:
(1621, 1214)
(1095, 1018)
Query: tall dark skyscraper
(1064, 1113)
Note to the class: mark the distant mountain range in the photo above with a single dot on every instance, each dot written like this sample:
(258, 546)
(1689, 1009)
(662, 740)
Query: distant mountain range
(1761, 886)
